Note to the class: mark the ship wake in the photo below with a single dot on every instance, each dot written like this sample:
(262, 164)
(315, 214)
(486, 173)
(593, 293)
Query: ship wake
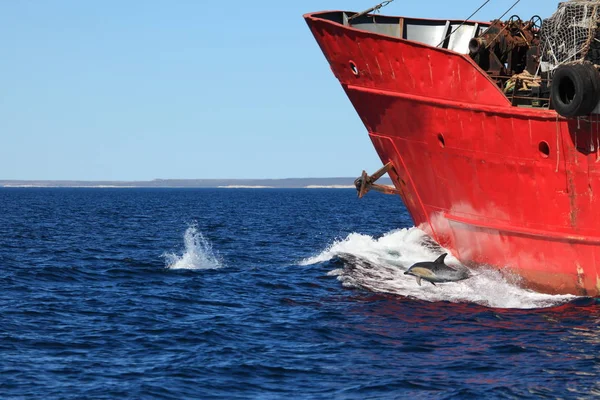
(378, 265)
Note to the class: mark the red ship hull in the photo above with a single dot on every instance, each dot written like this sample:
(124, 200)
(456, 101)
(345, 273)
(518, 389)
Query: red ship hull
(510, 187)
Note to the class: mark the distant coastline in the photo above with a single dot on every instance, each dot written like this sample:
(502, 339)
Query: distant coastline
(330, 187)
(289, 183)
(244, 187)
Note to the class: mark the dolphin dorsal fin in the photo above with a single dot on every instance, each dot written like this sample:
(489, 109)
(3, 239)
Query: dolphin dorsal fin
(441, 258)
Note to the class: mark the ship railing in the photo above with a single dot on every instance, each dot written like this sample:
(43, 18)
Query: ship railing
(448, 34)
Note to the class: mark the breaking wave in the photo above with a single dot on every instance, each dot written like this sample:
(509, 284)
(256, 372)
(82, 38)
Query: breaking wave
(198, 253)
(378, 265)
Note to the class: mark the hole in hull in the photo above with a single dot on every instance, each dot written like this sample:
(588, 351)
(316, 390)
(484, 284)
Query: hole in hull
(544, 149)
(354, 68)
(441, 140)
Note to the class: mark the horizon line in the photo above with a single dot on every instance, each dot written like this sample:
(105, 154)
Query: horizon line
(179, 179)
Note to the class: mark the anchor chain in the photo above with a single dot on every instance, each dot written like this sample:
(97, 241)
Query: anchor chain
(364, 183)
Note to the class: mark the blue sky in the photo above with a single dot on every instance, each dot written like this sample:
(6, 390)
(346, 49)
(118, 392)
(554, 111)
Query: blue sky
(137, 90)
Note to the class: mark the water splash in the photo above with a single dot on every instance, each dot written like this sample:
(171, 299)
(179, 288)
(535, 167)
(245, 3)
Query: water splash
(379, 264)
(198, 253)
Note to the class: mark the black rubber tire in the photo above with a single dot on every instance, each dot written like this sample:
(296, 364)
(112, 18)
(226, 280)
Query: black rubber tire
(575, 89)
(594, 77)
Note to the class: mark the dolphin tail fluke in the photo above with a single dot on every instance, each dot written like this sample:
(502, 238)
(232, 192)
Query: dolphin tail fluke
(441, 258)
(419, 280)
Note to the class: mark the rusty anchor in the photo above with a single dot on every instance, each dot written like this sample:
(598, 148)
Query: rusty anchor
(364, 183)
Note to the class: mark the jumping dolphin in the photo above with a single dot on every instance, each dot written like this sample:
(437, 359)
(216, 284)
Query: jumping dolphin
(436, 271)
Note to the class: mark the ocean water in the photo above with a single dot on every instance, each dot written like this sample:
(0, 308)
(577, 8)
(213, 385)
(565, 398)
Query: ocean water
(265, 294)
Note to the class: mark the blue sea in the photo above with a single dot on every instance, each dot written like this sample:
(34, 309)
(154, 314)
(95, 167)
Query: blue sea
(264, 294)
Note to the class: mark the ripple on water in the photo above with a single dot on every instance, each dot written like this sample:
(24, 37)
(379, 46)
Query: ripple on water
(90, 309)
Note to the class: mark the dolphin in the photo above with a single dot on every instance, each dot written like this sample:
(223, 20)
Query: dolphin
(437, 271)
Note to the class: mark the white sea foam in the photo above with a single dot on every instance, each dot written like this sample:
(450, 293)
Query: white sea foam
(198, 253)
(379, 264)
